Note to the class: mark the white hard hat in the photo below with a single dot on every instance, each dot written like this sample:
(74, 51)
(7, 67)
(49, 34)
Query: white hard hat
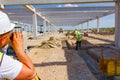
(5, 24)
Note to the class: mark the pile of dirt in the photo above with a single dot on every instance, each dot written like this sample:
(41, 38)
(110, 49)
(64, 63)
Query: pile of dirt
(51, 43)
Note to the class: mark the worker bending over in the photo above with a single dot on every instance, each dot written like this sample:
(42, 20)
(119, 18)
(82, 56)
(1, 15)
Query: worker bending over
(78, 37)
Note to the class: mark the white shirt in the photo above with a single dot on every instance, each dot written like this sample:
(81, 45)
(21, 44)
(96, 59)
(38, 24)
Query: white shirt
(9, 68)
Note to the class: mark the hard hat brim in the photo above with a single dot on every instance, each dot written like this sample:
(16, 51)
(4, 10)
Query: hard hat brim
(12, 26)
(9, 29)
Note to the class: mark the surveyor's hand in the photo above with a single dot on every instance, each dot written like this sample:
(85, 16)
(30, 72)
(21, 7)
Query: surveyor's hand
(28, 68)
(18, 42)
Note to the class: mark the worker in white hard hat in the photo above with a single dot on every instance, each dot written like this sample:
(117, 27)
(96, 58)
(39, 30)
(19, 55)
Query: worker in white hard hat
(10, 68)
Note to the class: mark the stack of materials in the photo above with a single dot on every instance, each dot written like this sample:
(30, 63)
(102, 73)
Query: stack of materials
(51, 43)
(106, 53)
(109, 60)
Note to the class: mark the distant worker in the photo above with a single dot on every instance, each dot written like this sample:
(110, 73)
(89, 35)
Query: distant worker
(61, 30)
(10, 68)
(68, 34)
(78, 37)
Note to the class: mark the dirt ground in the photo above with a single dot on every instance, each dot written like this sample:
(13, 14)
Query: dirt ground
(62, 63)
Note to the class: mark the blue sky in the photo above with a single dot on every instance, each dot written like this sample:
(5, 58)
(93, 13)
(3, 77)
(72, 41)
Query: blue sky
(107, 21)
(66, 5)
(74, 5)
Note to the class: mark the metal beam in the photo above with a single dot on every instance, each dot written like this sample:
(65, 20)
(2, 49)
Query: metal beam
(21, 2)
(105, 14)
(1, 6)
(66, 17)
(74, 9)
(56, 15)
(66, 12)
(32, 9)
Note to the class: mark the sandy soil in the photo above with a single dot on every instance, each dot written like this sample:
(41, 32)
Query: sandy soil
(61, 64)
(100, 39)
(58, 63)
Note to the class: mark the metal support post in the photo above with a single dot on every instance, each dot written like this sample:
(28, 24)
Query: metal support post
(117, 24)
(87, 26)
(44, 25)
(98, 25)
(35, 25)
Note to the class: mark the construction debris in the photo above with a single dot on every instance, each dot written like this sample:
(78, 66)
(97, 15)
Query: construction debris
(51, 43)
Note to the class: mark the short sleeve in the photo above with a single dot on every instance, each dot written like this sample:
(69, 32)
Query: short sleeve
(10, 67)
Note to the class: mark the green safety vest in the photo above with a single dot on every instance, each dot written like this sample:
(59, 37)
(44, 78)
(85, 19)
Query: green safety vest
(75, 32)
(79, 37)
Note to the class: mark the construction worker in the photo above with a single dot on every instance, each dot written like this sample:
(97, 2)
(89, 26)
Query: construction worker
(78, 37)
(10, 68)
(68, 34)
